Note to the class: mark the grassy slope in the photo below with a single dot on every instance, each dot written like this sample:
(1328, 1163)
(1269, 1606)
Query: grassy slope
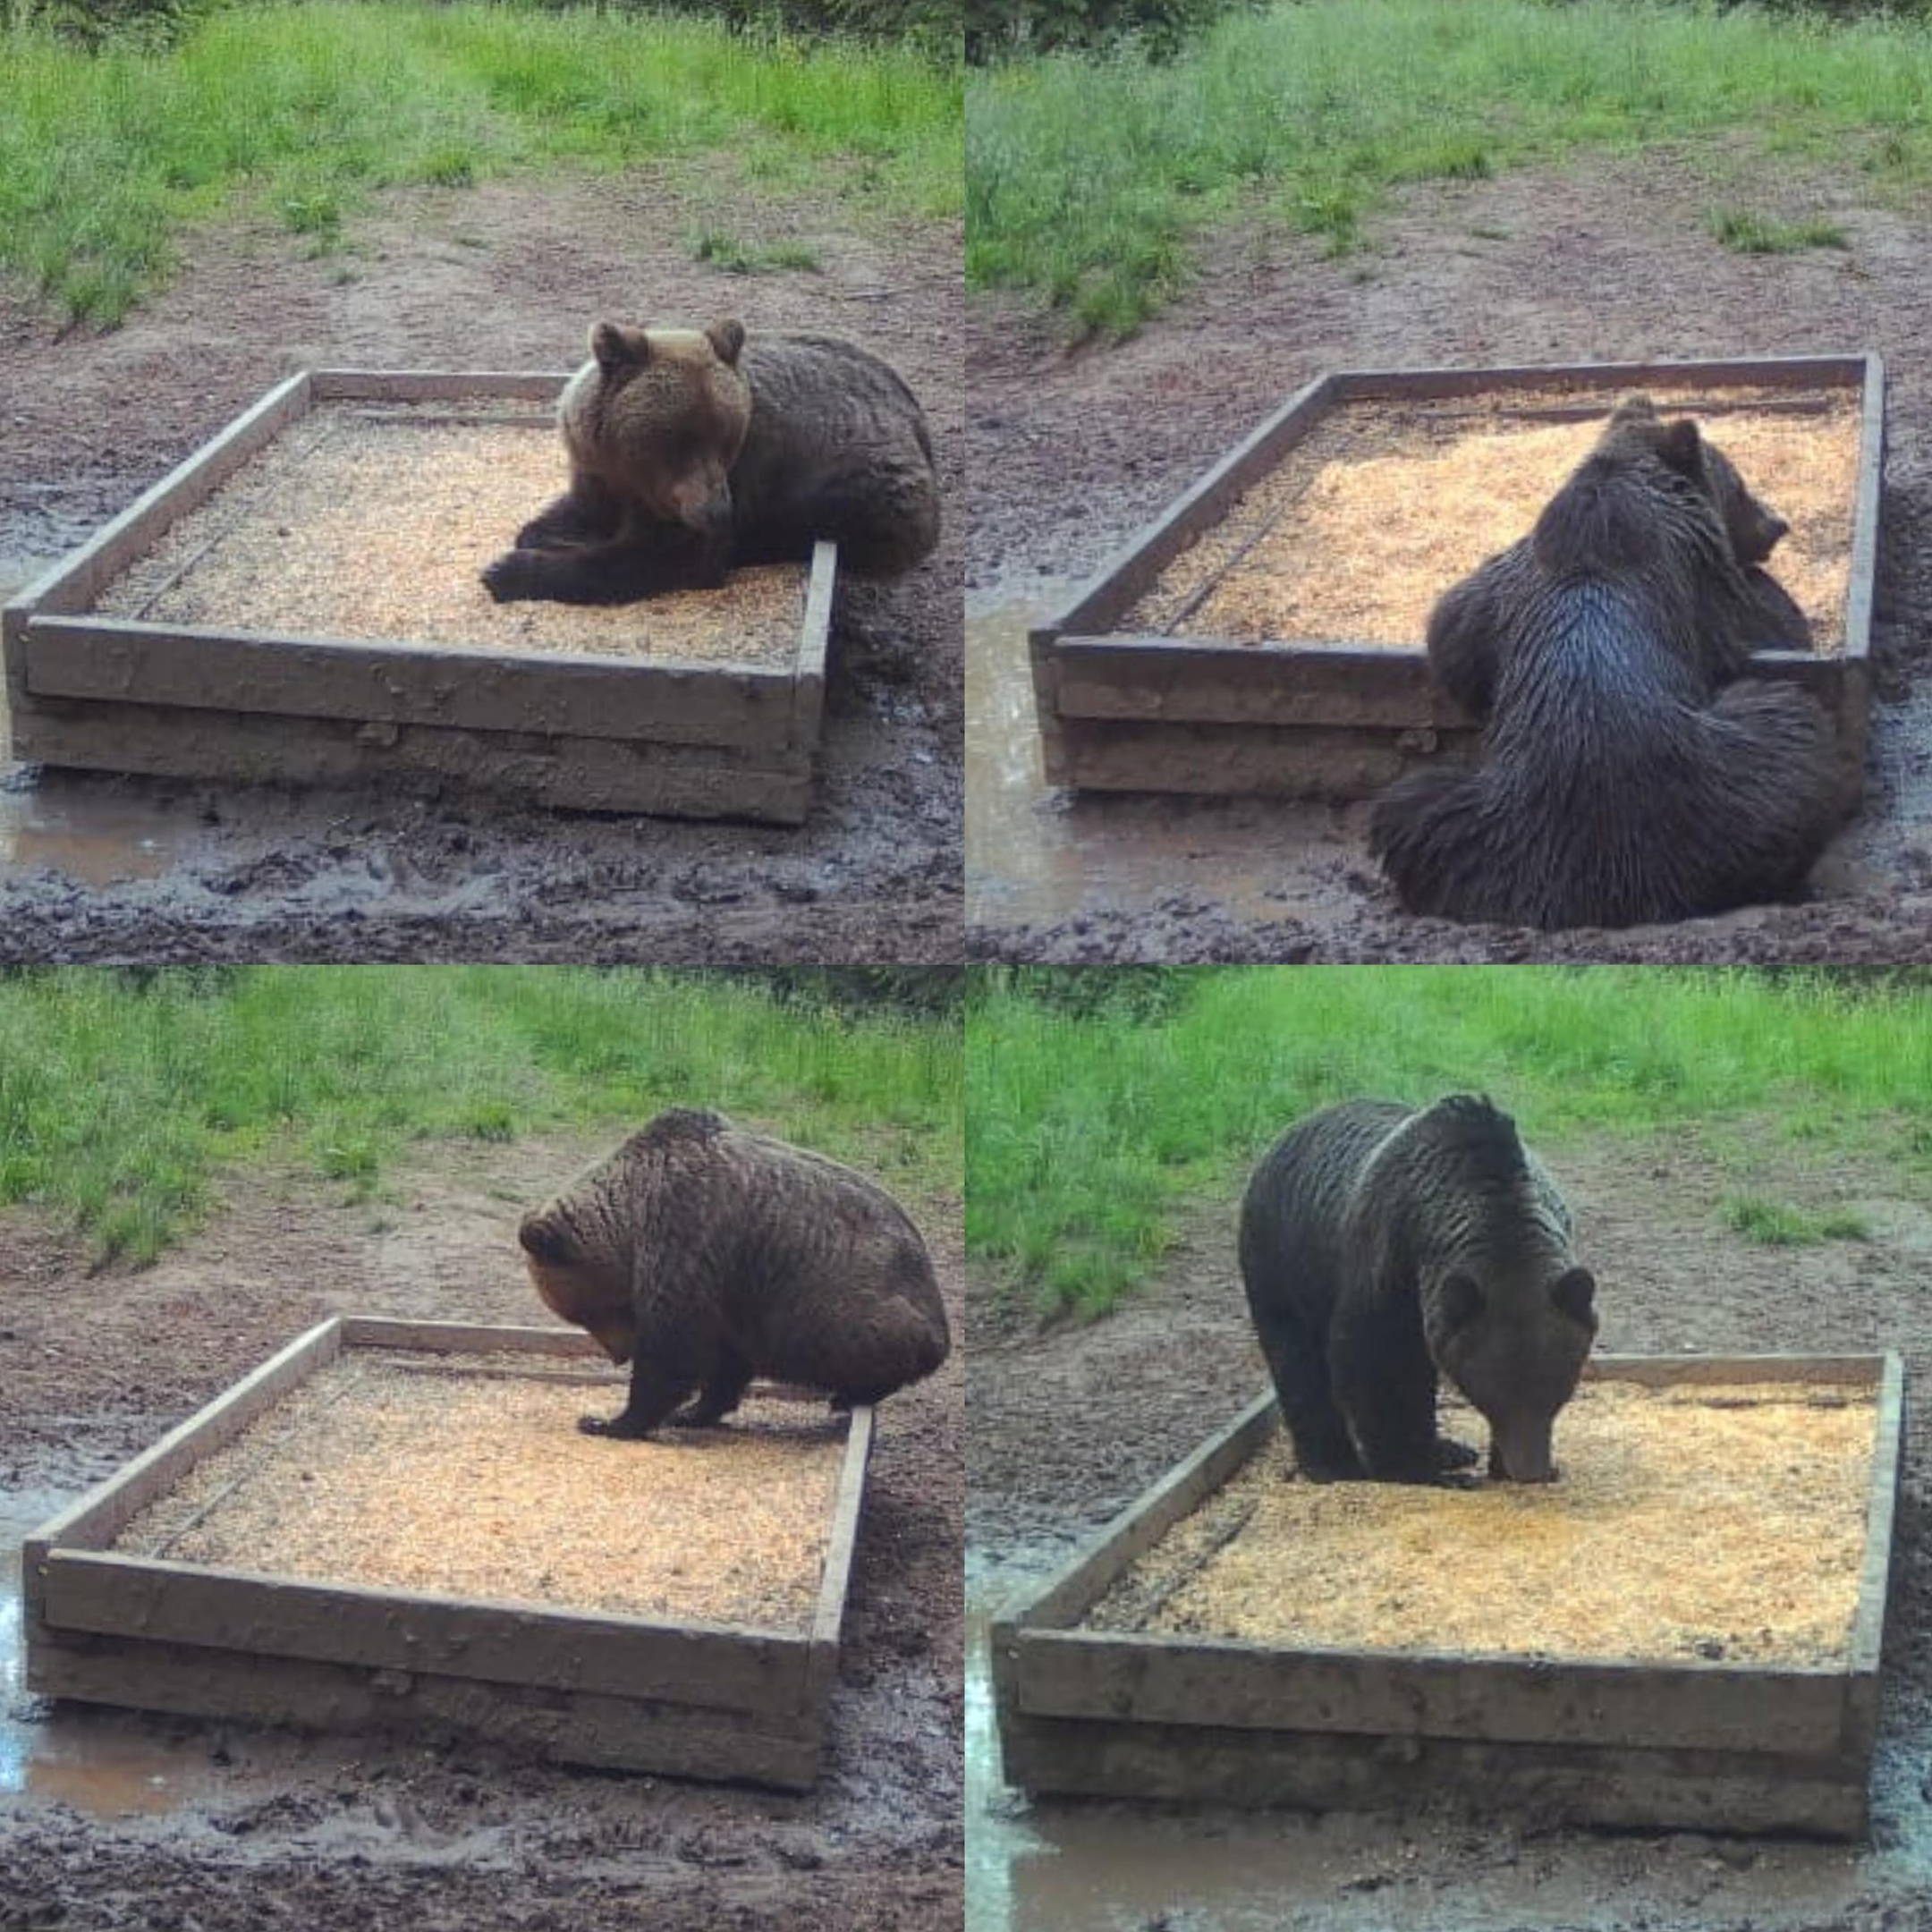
(122, 1102)
(305, 109)
(1083, 1131)
(1086, 176)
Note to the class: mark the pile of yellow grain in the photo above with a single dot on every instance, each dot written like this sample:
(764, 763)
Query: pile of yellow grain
(373, 524)
(402, 1474)
(1691, 1522)
(1386, 505)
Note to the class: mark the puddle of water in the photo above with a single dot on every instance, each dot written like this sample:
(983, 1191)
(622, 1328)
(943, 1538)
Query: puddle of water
(78, 826)
(89, 833)
(1034, 855)
(102, 1762)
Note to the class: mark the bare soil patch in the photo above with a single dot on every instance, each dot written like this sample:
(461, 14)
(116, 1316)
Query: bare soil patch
(507, 275)
(1071, 1424)
(1608, 259)
(231, 1827)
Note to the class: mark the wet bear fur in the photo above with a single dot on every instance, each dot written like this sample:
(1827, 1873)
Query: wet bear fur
(704, 1255)
(692, 452)
(1630, 772)
(1385, 1249)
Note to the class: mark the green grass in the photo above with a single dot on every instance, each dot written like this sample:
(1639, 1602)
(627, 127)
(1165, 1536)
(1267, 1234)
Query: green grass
(307, 111)
(1088, 1126)
(1781, 1224)
(736, 255)
(122, 1103)
(1089, 177)
(1748, 234)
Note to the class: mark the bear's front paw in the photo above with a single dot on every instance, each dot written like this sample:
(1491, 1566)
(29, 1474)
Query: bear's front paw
(510, 577)
(620, 1427)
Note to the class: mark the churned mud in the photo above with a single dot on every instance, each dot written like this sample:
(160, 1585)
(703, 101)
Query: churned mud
(1071, 1424)
(1071, 454)
(119, 1820)
(508, 275)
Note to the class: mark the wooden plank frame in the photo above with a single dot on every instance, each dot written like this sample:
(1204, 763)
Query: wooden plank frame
(570, 729)
(700, 1700)
(1705, 1745)
(1121, 712)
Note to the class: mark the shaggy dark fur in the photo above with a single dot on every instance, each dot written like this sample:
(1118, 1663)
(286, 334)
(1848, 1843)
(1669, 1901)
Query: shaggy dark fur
(1630, 773)
(1383, 1247)
(704, 1255)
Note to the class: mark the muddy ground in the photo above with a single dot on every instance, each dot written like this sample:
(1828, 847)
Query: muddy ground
(110, 1820)
(1069, 1425)
(502, 276)
(1071, 453)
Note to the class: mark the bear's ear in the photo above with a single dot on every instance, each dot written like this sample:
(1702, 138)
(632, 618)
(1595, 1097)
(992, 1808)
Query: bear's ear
(617, 348)
(728, 338)
(1458, 1301)
(1575, 1294)
(1633, 409)
(543, 1240)
(1681, 447)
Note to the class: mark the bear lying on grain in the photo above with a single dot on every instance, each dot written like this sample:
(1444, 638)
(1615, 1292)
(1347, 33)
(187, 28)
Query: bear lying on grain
(692, 451)
(1382, 1248)
(1629, 771)
(704, 1255)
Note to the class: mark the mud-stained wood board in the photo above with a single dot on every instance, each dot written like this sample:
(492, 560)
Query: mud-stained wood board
(1241, 1635)
(1284, 597)
(398, 1525)
(301, 601)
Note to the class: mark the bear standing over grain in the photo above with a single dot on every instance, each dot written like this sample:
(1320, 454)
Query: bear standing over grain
(704, 1255)
(694, 451)
(1630, 772)
(1384, 1248)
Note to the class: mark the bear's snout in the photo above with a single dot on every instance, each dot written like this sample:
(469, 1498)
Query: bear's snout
(1520, 1450)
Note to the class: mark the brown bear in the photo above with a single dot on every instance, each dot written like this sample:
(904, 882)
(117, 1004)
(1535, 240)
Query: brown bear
(1630, 773)
(1384, 1247)
(704, 1255)
(1471, 622)
(692, 451)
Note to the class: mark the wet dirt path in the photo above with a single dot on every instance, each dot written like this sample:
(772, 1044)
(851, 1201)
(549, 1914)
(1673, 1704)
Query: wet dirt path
(1038, 856)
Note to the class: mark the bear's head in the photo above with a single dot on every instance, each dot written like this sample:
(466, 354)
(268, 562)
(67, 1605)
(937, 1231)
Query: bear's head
(1650, 487)
(662, 414)
(578, 1280)
(1513, 1336)
(1507, 1314)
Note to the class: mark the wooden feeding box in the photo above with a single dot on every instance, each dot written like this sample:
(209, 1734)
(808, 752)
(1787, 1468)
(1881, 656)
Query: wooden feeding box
(397, 1526)
(1265, 634)
(301, 601)
(1683, 1631)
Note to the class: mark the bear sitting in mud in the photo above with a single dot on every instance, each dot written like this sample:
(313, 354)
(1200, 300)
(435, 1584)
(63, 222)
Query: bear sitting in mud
(704, 1255)
(693, 450)
(1384, 1248)
(1630, 772)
